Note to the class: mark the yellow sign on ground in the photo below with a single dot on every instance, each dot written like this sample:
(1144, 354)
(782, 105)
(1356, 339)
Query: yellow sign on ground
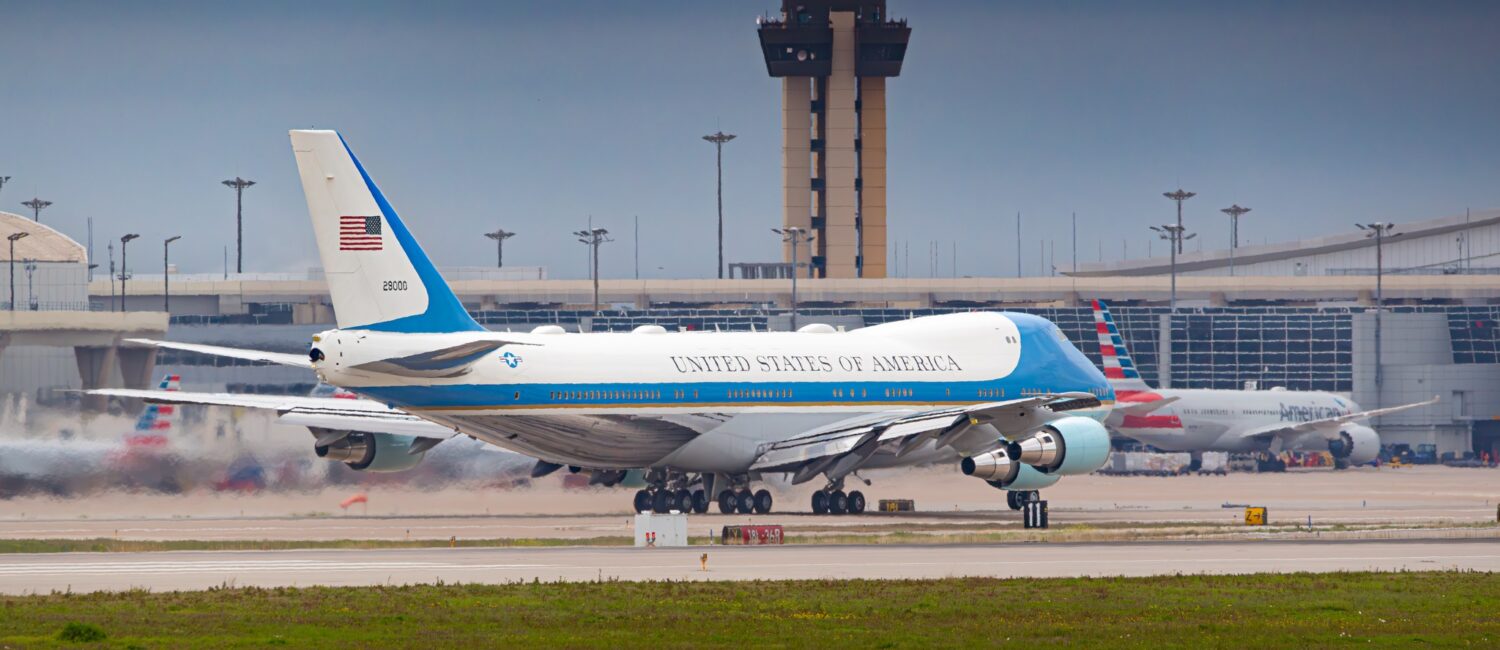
(1255, 516)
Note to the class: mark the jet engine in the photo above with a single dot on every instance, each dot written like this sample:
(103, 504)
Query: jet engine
(1070, 445)
(1357, 444)
(372, 452)
(997, 469)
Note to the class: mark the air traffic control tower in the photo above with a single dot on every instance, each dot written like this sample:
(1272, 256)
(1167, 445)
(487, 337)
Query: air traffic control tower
(833, 57)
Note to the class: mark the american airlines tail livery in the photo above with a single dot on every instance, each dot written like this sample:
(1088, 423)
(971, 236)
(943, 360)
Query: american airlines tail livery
(1199, 420)
(1004, 395)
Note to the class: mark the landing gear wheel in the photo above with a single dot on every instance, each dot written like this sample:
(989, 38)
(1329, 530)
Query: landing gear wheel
(838, 502)
(727, 502)
(762, 502)
(683, 501)
(856, 502)
(1341, 463)
(700, 501)
(745, 502)
(820, 503)
(642, 500)
(1034, 495)
(661, 502)
(1013, 500)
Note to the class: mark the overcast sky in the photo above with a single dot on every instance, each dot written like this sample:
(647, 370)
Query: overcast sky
(534, 116)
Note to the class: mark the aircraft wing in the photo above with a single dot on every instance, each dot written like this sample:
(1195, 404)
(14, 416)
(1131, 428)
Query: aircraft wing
(1328, 425)
(278, 358)
(841, 447)
(332, 413)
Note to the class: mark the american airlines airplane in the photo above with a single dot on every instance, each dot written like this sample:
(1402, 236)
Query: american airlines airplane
(1006, 395)
(1199, 420)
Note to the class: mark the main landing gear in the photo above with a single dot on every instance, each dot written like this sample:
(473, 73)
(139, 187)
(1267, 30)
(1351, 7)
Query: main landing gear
(832, 500)
(664, 500)
(670, 491)
(745, 502)
(1018, 499)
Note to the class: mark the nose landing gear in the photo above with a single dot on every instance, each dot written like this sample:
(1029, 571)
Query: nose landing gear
(1018, 499)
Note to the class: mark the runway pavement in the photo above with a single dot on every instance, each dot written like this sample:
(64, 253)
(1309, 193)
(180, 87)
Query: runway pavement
(1422, 496)
(166, 571)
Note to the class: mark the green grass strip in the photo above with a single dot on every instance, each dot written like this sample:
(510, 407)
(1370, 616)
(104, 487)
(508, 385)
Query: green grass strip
(1263, 611)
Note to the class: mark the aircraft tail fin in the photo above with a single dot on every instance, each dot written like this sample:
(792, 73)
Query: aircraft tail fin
(160, 417)
(378, 276)
(1119, 368)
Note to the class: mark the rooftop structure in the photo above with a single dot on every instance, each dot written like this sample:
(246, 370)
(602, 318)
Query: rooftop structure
(1461, 244)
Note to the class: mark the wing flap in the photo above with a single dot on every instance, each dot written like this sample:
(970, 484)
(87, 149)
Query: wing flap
(395, 422)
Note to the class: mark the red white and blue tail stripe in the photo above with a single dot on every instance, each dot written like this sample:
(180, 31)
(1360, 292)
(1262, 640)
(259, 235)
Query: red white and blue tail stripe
(1119, 369)
(159, 417)
(1137, 407)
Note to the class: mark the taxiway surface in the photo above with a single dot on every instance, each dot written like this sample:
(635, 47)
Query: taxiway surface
(166, 571)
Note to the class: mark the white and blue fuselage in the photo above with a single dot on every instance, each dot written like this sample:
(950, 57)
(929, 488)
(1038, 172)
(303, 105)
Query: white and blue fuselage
(644, 395)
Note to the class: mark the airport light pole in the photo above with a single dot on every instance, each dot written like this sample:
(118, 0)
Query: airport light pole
(794, 236)
(1234, 212)
(592, 238)
(14, 237)
(500, 235)
(30, 288)
(166, 274)
(239, 185)
(1179, 196)
(36, 206)
(124, 267)
(1174, 236)
(1378, 231)
(719, 138)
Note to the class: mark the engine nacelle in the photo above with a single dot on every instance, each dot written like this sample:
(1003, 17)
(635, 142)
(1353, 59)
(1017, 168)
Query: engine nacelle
(1357, 444)
(1070, 445)
(372, 452)
(997, 469)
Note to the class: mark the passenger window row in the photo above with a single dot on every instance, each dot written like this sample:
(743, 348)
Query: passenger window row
(574, 395)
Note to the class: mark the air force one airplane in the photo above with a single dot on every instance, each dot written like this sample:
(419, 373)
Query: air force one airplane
(1199, 420)
(1004, 394)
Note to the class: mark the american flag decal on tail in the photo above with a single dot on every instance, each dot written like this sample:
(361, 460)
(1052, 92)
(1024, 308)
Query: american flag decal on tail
(359, 233)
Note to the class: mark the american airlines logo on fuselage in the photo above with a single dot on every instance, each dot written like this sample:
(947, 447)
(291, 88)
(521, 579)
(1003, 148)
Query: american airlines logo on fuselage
(1294, 413)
